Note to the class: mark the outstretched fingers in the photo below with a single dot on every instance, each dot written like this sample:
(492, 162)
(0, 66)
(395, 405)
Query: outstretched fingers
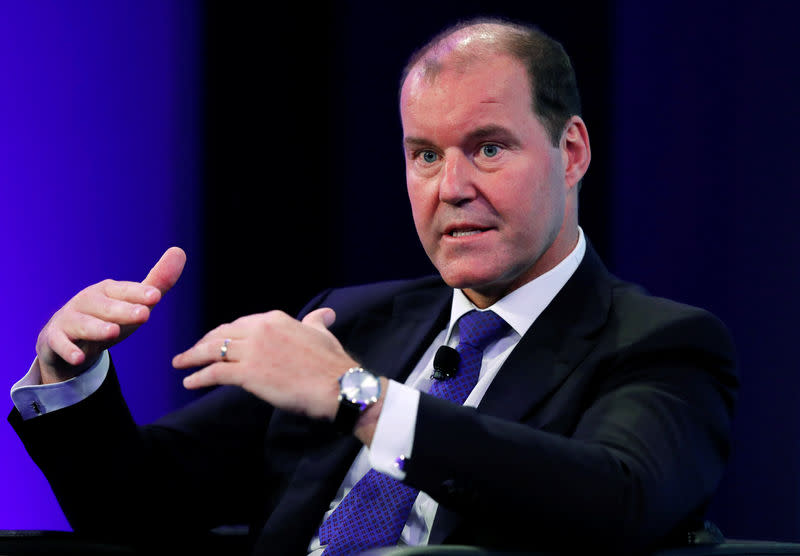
(292, 365)
(100, 316)
(132, 292)
(116, 302)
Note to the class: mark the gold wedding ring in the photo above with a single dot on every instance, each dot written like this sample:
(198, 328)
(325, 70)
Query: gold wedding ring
(223, 351)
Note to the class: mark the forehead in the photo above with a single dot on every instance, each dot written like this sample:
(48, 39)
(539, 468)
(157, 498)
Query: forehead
(456, 90)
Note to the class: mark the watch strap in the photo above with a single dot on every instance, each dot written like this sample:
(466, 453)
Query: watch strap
(346, 416)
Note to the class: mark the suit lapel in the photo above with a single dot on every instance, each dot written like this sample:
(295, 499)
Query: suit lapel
(554, 345)
(549, 351)
(391, 343)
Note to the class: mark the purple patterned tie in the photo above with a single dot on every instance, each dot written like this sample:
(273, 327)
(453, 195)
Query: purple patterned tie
(376, 509)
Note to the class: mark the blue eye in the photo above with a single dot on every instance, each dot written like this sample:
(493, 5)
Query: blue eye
(429, 157)
(490, 151)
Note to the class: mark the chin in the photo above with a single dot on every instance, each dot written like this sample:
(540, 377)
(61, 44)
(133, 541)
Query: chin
(484, 280)
(471, 280)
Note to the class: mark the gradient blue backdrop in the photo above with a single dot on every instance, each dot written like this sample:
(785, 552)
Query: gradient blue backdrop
(99, 120)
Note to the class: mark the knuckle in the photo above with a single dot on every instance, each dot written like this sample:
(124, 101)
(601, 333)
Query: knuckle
(57, 321)
(273, 318)
(106, 307)
(81, 295)
(213, 374)
(86, 296)
(213, 332)
(213, 350)
(120, 290)
(266, 322)
(82, 328)
(48, 345)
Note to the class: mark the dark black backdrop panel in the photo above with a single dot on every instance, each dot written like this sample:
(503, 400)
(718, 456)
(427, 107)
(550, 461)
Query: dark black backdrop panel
(705, 210)
(305, 174)
(693, 113)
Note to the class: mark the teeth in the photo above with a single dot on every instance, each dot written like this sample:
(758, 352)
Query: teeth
(464, 233)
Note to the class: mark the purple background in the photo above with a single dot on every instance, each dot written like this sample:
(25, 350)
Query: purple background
(99, 152)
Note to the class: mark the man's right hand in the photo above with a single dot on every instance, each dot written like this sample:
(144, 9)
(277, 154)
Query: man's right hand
(101, 316)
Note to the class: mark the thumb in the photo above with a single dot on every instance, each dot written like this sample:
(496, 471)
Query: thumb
(320, 318)
(167, 270)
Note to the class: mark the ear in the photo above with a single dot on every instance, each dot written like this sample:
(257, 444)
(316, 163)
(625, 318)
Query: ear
(576, 151)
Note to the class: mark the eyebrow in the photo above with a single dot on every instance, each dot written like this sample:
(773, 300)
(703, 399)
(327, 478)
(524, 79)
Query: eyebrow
(492, 131)
(482, 133)
(416, 142)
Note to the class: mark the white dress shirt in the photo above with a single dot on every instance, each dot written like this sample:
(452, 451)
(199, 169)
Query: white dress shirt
(394, 433)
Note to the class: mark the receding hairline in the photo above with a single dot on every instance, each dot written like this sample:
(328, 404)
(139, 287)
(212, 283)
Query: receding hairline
(553, 86)
(462, 45)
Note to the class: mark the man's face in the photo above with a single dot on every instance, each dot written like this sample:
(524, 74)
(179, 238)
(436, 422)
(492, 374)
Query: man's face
(486, 185)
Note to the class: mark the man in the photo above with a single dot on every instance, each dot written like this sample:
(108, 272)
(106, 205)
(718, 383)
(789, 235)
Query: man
(602, 416)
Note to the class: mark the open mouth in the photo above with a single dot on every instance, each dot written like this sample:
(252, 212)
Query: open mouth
(464, 233)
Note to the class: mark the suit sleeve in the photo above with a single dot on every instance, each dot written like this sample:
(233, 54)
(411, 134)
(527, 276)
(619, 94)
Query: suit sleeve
(638, 450)
(182, 475)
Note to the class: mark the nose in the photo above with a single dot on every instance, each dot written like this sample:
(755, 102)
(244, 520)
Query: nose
(456, 185)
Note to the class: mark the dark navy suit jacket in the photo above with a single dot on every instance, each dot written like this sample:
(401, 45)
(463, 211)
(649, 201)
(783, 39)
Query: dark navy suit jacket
(607, 426)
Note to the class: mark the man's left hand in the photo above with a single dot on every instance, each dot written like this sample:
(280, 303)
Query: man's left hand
(293, 365)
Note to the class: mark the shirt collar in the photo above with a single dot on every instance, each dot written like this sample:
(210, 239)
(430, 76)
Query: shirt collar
(523, 306)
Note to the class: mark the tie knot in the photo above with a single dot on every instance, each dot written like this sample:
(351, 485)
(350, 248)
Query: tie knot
(480, 328)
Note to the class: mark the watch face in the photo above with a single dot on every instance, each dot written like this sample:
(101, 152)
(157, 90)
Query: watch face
(360, 386)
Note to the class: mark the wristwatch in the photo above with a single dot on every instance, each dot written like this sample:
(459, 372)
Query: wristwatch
(358, 389)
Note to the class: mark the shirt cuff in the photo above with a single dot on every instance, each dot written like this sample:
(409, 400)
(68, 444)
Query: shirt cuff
(32, 398)
(394, 434)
